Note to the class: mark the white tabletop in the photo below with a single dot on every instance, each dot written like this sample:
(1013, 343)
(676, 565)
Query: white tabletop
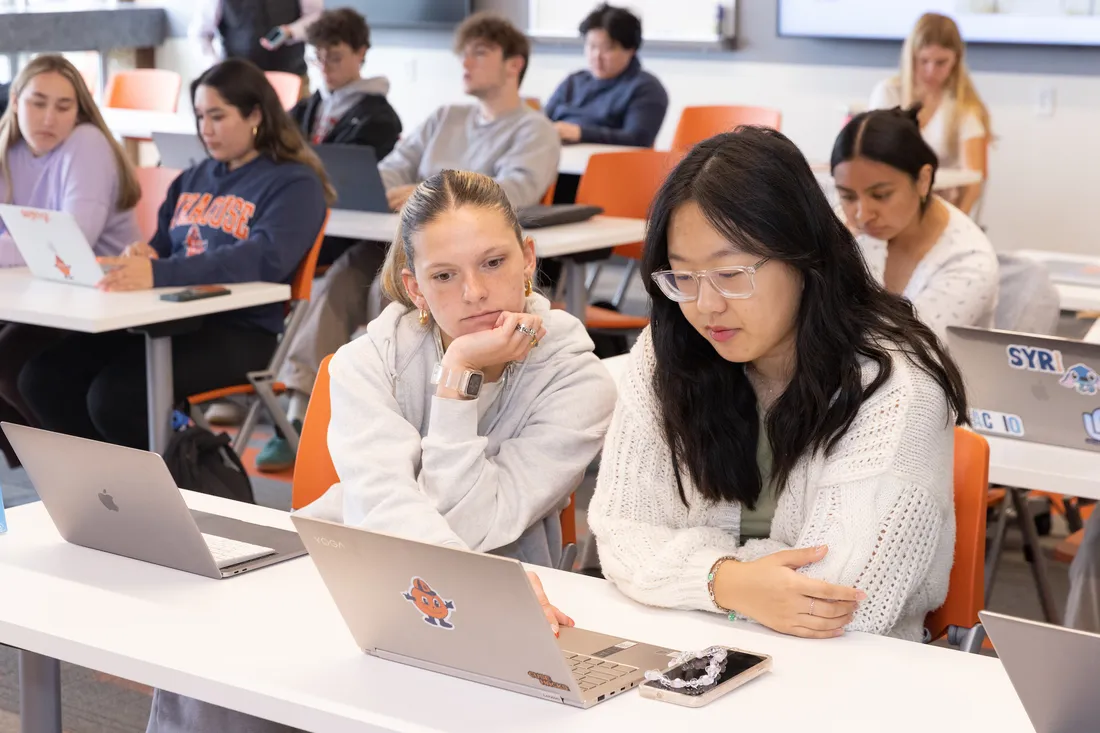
(565, 239)
(27, 299)
(1073, 297)
(271, 643)
(1041, 467)
(946, 178)
(574, 158)
(142, 124)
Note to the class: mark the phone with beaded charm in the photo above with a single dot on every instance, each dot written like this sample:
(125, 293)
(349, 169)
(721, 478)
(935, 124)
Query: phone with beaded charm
(695, 679)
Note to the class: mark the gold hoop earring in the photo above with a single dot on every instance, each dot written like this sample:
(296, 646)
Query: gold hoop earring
(424, 316)
(528, 287)
(255, 131)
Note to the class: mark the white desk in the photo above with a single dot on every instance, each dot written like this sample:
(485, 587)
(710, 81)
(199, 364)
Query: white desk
(1040, 467)
(557, 241)
(574, 158)
(138, 123)
(26, 299)
(946, 178)
(1073, 297)
(272, 644)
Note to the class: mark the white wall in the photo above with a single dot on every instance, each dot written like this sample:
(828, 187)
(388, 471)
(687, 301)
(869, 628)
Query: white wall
(1044, 171)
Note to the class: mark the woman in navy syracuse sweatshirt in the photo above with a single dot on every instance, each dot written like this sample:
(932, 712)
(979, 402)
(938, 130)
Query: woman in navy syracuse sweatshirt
(250, 212)
(613, 102)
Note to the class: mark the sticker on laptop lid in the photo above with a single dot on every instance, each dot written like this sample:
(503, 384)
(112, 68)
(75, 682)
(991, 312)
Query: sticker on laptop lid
(547, 681)
(1082, 378)
(435, 610)
(997, 423)
(1035, 359)
(1092, 426)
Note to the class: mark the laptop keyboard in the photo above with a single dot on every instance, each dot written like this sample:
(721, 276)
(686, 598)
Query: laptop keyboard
(590, 672)
(231, 552)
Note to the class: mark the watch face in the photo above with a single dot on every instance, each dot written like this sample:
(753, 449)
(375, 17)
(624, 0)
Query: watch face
(473, 386)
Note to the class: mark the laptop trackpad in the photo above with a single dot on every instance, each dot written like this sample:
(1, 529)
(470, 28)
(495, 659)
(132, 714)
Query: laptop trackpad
(282, 541)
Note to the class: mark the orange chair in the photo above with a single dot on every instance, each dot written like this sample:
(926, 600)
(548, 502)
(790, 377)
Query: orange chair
(153, 90)
(957, 618)
(623, 184)
(262, 384)
(287, 86)
(534, 103)
(154, 184)
(699, 123)
(314, 473)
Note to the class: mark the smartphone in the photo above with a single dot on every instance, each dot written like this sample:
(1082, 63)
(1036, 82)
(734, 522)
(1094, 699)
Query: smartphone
(276, 36)
(741, 666)
(197, 292)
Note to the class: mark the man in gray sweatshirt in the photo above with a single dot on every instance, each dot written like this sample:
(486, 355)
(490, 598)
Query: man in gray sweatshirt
(499, 136)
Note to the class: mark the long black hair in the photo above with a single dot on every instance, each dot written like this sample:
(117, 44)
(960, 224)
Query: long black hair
(888, 136)
(755, 188)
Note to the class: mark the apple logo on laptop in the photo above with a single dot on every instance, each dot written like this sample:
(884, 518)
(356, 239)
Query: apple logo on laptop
(108, 500)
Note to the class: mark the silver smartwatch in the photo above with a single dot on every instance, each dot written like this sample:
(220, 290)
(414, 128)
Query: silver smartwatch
(467, 383)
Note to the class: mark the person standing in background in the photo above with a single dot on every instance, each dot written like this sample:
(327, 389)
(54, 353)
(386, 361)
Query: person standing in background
(240, 29)
(953, 119)
(614, 101)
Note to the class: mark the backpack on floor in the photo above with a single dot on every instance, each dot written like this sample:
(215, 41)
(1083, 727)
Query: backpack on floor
(201, 461)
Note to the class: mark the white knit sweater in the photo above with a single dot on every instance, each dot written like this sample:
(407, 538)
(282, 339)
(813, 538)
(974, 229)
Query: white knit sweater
(881, 501)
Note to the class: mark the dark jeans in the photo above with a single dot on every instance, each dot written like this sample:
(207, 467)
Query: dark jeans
(18, 344)
(93, 385)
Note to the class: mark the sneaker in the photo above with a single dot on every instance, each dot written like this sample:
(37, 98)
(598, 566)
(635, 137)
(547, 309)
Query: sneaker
(277, 454)
(224, 413)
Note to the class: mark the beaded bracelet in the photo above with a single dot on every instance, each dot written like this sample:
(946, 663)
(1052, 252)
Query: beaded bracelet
(731, 614)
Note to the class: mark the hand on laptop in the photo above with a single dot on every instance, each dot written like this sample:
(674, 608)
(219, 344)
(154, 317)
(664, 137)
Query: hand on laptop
(140, 249)
(126, 273)
(396, 197)
(556, 618)
(568, 132)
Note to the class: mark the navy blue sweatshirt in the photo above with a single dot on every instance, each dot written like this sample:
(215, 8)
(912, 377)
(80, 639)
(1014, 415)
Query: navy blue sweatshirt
(255, 223)
(626, 110)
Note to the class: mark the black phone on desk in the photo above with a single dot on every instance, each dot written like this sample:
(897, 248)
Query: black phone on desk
(740, 667)
(197, 292)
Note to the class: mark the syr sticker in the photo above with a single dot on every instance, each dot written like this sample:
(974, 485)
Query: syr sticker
(1035, 359)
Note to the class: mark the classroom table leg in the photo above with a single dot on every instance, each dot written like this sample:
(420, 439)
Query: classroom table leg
(158, 381)
(1038, 562)
(39, 693)
(576, 294)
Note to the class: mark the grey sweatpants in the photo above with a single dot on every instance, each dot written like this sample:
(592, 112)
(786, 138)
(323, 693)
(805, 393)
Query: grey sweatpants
(339, 305)
(174, 713)
(1083, 604)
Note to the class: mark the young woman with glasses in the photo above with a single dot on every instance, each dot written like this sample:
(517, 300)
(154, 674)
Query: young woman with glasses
(780, 394)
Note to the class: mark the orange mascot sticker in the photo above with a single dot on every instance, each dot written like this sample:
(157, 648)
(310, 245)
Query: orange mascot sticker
(436, 610)
(63, 267)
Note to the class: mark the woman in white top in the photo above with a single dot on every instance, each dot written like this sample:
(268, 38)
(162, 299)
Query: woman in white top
(915, 243)
(953, 118)
(776, 366)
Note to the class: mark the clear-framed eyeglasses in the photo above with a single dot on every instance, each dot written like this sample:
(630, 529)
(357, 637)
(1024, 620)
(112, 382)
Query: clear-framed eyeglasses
(735, 282)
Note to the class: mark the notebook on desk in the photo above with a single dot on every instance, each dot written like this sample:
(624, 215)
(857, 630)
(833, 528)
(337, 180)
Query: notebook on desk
(52, 244)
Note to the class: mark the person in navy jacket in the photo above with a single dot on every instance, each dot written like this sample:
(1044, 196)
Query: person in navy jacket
(614, 101)
(248, 213)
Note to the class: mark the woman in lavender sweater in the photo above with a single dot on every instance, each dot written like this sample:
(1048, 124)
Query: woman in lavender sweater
(57, 153)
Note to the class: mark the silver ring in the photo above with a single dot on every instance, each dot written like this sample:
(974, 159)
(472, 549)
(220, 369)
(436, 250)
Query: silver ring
(812, 602)
(527, 330)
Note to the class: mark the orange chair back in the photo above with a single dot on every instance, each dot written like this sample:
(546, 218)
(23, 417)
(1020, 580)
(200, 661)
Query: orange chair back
(699, 123)
(287, 86)
(314, 473)
(534, 103)
(153, 90)
(301, 287)
(966, 587)
(154, 184)
(625, 184)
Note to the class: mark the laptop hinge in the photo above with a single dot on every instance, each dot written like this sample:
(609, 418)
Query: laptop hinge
(466, 675)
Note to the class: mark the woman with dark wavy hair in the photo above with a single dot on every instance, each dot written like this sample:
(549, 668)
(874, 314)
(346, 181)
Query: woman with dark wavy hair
(779, 393)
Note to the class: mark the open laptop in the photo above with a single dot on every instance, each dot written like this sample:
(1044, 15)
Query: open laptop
(1068, 272)
(52, 244)
(179, 150)
(353, 170)
(1027, 387)
(1054, 671)
(124, 501)
(467, 615)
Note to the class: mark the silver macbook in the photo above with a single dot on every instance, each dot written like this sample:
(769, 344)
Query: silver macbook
(52, 244)
(467, 615)
(1054, 671)
(179, 150)
(353, 170)
(1068, 272)
(124, 501)
(1026, 387)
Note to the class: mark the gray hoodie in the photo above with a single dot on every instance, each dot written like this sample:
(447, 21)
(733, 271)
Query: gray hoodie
(336, 104)
(491, 478)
